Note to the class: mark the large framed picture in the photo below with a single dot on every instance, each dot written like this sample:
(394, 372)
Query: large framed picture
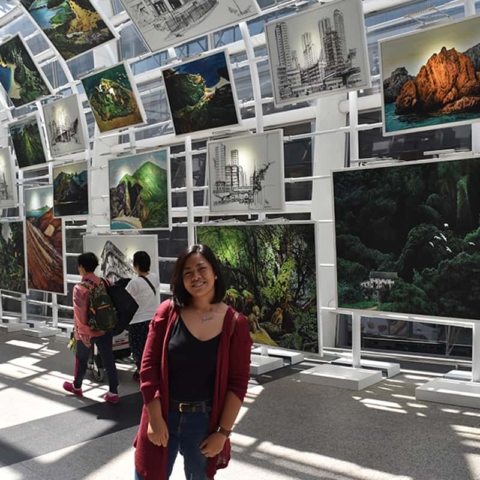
(23, 81)
(140, 191)
(201, 94)
(74, 26)
(246, 173)
(408, 238)
(8, 184)
(13, 269)
(65, 126)
(114, 99)
(165, 23)
(45, 243)
(435, 86)
(28, 142)
(318, 51)
(115, 253)
(70, 190)
(270, 275)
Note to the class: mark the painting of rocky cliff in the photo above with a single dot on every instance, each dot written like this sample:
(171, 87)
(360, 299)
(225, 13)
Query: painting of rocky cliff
(45, 243)
(201, 94)
(140, 191)
(70, 190)
(12, 257)
(114, 99)
(431, 78)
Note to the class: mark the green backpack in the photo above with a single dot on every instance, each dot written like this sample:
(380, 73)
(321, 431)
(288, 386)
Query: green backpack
(102, 316)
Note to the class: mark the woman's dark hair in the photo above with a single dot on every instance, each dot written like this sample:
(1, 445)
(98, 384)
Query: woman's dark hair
(88, 261)
(180, 293)
(142, 261)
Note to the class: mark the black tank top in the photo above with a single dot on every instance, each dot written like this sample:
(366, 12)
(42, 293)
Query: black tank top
(192, 365)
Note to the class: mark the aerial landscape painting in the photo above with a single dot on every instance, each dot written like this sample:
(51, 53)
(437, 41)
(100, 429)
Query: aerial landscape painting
(73, 26)
(201, 94)
(435, 85)
(28, 142)
(20, 77)
(139, 191)
(114, 99)
(45, 242)
(70, 189)
(12, 257)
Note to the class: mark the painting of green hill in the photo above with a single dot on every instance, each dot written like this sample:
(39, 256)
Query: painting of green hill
(12, 257)
(27, 142)
(139, 191)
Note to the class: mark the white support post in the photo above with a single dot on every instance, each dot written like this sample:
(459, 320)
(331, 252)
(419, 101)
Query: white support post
(24, 308)
(476, 352)
(353, 111)
(54, 310)
(189, 183)
(356, 339)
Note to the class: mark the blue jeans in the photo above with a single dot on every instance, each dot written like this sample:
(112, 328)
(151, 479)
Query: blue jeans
(186, 432)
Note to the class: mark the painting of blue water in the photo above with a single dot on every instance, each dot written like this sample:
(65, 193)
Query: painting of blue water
(43, 16)
(121, 226)
(6, 78)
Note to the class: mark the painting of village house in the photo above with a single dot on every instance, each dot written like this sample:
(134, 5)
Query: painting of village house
(436, 85)
(318, 51)
(408, 238)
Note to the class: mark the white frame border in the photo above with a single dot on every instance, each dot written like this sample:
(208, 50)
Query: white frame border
(13, 180)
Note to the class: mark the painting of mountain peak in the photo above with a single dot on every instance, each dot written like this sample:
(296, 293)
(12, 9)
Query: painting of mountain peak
(70, 189)
(426, 88)
(113, 97)
(73, 26)
(27, 142)
(139, 191)
(20, 77)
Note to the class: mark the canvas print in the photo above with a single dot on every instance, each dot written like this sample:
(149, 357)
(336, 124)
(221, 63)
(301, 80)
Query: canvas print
(270, 275)
(164, 23)
(12, 257)
(201, 94)
(408, 238)
(73, 26)
(8, 186)
(438, 84)
(246, 173)
(140, 191)
(318, 51)
(70, 190)
(20, 77)
(45, 242)
(114, 98)
(115, 253)
(65, 126)
(27, 142)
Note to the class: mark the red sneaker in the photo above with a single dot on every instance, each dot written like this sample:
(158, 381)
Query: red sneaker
(68, 386)
(111, 397)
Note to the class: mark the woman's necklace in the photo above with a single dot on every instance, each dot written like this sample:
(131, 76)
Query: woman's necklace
(208, 317)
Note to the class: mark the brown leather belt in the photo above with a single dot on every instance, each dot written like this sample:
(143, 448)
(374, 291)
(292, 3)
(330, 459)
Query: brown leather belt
(191, 407)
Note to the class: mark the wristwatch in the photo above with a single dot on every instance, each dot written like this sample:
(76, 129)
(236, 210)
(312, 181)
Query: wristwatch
(223, 431)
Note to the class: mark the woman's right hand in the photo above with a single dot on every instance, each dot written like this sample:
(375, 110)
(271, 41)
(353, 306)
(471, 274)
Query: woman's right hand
(158, 432)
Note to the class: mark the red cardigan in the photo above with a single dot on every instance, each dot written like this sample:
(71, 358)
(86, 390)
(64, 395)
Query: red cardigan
(233, 373)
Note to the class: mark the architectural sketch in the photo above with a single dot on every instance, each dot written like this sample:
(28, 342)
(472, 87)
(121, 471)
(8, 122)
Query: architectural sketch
(246, 173)
(318, 51)
(8, 189)
(163, 23)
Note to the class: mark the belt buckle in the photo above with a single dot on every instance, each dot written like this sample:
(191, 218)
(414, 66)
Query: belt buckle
(181, 405)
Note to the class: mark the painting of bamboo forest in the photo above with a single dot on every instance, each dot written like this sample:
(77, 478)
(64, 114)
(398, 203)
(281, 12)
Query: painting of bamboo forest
(408, 238)
(73, 26)
(27, 142)
(19, 75)
(113, 97)
(270, 276)
(12, 257)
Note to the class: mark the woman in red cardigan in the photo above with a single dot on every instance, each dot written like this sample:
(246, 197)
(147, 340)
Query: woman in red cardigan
(194, 374)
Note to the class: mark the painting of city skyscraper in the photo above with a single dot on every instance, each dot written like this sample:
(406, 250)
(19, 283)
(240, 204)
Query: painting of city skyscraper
(318, 51)
(246, 173)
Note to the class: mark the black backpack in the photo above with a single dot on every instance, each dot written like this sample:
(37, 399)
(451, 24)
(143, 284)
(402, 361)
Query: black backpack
(124, 304)
(102, 316)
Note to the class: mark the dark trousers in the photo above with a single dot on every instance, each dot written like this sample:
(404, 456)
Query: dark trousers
(137, 336)
(105, 350)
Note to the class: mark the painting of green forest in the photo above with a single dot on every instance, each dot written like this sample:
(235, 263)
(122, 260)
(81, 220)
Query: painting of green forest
(12, 257)
(270, 276)
(408, 238)
(27, 143)
(73, 26)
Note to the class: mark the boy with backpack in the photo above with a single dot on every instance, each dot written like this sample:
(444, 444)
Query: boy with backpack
(94, 321)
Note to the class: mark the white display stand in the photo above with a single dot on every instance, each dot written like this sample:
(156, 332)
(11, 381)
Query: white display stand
(288, 356)
(260, 364)
(388, 368)
(452, 392)
(41, 331)
(464, 375)
(11, 325)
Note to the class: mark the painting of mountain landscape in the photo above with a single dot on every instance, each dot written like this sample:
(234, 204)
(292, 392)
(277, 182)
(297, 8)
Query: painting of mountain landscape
(45, 242)
(438, 84)
(22, 80)
(73, 26)
(201, 94)
(12, 257)
(113, 97)
(27, 142)
(70, 190)
(139, 191)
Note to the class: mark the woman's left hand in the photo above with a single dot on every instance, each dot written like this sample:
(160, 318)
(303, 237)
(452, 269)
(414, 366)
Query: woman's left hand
(213, 444)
